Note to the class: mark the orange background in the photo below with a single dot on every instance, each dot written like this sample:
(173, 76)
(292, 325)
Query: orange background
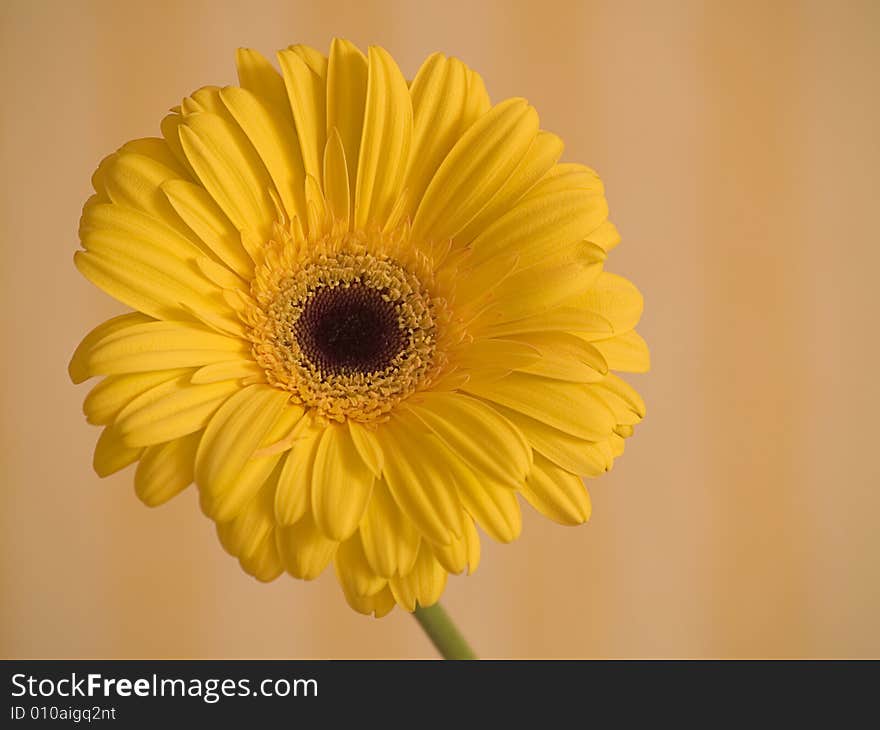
(739, 145)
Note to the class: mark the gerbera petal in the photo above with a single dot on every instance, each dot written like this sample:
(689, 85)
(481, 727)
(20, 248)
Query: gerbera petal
(570, 407)
(475, 169)
(494, 507)
(337, 187)
(364, 440)
(461, 553)
(477, 434)
(305, 550)
(78, 368)
(341, 484)
(228, 370)
(569, 452)
(274, 138)
(379, 604)
(423, 585)
(171, 410)
(264, 563)
(295, 481)
(557, 494)
(113, 393)
(615, 299)
(306, 83)
(112, 454)
(622, 399)
(605, 236)
(354, 571)
(627, 352)
(160, 346)
(132, 181)
(232, 436)
(500, 356)
(390, 540)
(545, 150)
(540, 288)
(346, 99)
(439, 99)
(166, 469)
(242, 535)
(590, 325)
(197, 209)
(230, 169)
(564, 357)
(540, 226)
(419, 479)
(385, 144)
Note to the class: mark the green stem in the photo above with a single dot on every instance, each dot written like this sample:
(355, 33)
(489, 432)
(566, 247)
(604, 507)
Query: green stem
(443, 633)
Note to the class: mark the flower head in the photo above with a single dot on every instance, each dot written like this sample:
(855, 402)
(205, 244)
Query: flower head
(368, 316)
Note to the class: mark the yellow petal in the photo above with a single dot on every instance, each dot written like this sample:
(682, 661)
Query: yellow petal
(111, 454)
(232, 436)
(420, 480)
(354, 571)
(540, 288)
(243, 535)
(274, 138)
(461, 553)
(140, 286)
(627, 352)
(231, 370)
(545, 150)
(160, 346)
(622, 399)
(564, 357)
(112, 394)
(557, 494)
(380, 604)
(476, 168)
(570, 176)
(615, 299)
(198, 210)
(166, 469)
(540, 226)
(171, 410)
(390, 540)
(341, 484)
(494, 507)
(439, 99)
(346, 100)
(500, 356)
(264, 563)
(78, 368)
(423, 585)
(477, 434)
(385, 144)
(577, 319)
(337, 188)
(364, 440)
(570, 407)
(230, 169)
(605, 236)
(304, 549)
(133, 181)
(292, 497)
(306, 91)
(571, 453)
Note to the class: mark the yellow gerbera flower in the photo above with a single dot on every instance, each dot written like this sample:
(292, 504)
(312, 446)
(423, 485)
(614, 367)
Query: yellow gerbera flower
(369, 314)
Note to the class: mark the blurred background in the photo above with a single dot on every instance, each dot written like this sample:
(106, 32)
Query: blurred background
(739, 146)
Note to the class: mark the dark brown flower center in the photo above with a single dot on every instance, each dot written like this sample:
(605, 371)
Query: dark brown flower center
(349, 329)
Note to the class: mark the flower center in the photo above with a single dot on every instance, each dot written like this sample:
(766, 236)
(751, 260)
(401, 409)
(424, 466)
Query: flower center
(347, 322)
(349, 329)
